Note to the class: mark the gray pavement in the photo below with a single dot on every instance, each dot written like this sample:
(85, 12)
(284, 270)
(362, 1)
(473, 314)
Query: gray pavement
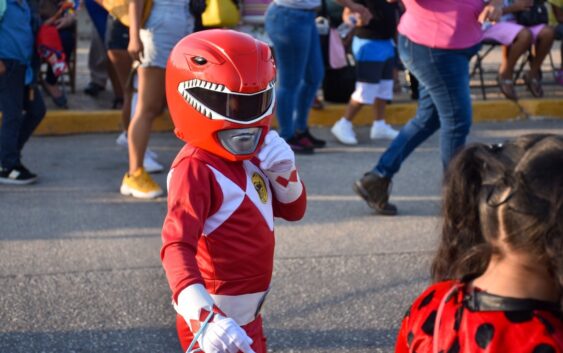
(80, 268)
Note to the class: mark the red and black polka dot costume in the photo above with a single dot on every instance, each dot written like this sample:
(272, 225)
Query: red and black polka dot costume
(475, 321)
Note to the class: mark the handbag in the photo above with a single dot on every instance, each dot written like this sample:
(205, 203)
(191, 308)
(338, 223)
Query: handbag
(535, 15)
(220, 13)
(336, 52)
(120, 10)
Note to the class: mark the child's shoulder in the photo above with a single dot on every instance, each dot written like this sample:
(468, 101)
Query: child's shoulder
(195, 155)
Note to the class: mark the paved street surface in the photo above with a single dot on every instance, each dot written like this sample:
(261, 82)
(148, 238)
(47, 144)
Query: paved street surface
(80, 268)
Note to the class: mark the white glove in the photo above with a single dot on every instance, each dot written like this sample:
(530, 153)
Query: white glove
(224, 335)
(276, 156)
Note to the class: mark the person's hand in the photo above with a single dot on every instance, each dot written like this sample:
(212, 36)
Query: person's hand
(135, 48)
(224, 335)
(65, 21)
(491, 13)
(276, 156)
(2, 68)
(364, 14)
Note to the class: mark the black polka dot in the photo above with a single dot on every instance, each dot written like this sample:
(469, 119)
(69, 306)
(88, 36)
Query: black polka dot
(428, 326)
(427, 299)
(544, 348)
(454, 348)
(548, 326)
(519, 316)
(484, 335)
(458, 317)
(410, 337)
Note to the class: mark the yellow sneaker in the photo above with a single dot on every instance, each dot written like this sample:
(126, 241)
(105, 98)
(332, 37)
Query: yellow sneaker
(140, 185)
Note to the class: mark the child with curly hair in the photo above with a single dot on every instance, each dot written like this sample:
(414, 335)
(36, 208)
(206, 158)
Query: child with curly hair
(498, 271)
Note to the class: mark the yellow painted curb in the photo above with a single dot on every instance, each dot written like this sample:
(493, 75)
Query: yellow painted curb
(62, 122)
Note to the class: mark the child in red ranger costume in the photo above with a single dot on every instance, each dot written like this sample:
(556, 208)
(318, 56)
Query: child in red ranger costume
(225, 187)
(499, 267)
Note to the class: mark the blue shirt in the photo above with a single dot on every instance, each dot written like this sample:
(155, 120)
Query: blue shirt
(16, 36)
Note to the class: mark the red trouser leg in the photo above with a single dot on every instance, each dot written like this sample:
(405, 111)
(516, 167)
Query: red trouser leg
(253, 329)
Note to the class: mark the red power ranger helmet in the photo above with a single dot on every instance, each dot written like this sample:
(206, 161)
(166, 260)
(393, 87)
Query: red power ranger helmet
(220, 92)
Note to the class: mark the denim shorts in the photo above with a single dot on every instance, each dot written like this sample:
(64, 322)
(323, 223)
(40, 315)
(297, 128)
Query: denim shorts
(168, 22)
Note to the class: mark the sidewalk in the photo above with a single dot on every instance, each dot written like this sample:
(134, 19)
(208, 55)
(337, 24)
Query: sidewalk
(89, 115)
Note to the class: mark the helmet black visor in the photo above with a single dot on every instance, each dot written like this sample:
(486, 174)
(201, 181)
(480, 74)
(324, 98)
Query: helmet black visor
(236, 107)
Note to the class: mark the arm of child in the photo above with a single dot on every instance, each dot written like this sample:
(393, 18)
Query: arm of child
(277, 160)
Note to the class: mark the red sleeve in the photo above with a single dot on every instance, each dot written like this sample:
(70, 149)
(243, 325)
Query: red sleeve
(292, 211)
(189, 204)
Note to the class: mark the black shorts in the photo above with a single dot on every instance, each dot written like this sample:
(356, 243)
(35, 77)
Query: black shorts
(117, 35)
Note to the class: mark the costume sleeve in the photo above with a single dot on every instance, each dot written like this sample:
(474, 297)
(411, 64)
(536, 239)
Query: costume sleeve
(290, 196)
(189, 204)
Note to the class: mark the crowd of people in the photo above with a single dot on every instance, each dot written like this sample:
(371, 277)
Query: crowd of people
(133, 58)
(497, 271)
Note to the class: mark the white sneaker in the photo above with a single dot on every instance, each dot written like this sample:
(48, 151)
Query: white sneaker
(381, 130)
(151, 165)
(121, 141)
(343, 130)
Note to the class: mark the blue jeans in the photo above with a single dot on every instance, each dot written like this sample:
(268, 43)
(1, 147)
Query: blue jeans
(20, 114)
(444, 103)
(299, 61)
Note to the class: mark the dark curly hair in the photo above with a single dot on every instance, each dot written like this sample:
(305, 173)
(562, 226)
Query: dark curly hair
(516, 188)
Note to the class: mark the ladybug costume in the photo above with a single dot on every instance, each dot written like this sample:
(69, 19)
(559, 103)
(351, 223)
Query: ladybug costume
(451, 317)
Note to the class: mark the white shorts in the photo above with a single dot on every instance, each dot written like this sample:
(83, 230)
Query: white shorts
(366, 93)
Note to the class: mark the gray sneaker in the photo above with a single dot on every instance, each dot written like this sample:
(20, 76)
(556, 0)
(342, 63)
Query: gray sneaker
(375, 189)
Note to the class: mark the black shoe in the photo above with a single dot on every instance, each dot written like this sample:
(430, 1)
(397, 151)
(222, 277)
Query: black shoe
(93, 89)
(19, 175)
(317, 143)
(300, 145)
(375, 189)
(117, 103)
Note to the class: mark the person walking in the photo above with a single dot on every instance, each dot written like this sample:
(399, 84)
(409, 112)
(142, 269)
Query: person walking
(290, 24)
(21, 103)
(439, 58)
(168, 22)
(374, 51)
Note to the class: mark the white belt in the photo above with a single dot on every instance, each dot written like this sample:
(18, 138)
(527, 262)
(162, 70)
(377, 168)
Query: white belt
(242, 308)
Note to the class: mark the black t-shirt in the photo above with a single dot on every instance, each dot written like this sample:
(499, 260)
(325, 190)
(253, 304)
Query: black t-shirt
(384, 22)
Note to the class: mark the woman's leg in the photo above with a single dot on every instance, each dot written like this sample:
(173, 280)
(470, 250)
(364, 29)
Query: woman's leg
(285, 28)
(542, 46)
(122, 62)
(149, 106)
(512, 53)
(314, 72)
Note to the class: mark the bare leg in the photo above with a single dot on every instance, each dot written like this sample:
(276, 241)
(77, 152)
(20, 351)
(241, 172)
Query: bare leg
(149, 106)
(122, 62)
(379, 109)
(542, 48)
(352, 109)
(511, 54)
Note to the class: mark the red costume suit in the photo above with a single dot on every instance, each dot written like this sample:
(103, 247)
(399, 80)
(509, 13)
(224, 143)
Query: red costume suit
(219, 232)
(456, 319)
(225, 187)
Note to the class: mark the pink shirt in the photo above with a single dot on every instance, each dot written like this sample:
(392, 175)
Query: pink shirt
(444, 24)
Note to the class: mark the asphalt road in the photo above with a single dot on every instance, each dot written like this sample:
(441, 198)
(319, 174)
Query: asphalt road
(80, 268)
